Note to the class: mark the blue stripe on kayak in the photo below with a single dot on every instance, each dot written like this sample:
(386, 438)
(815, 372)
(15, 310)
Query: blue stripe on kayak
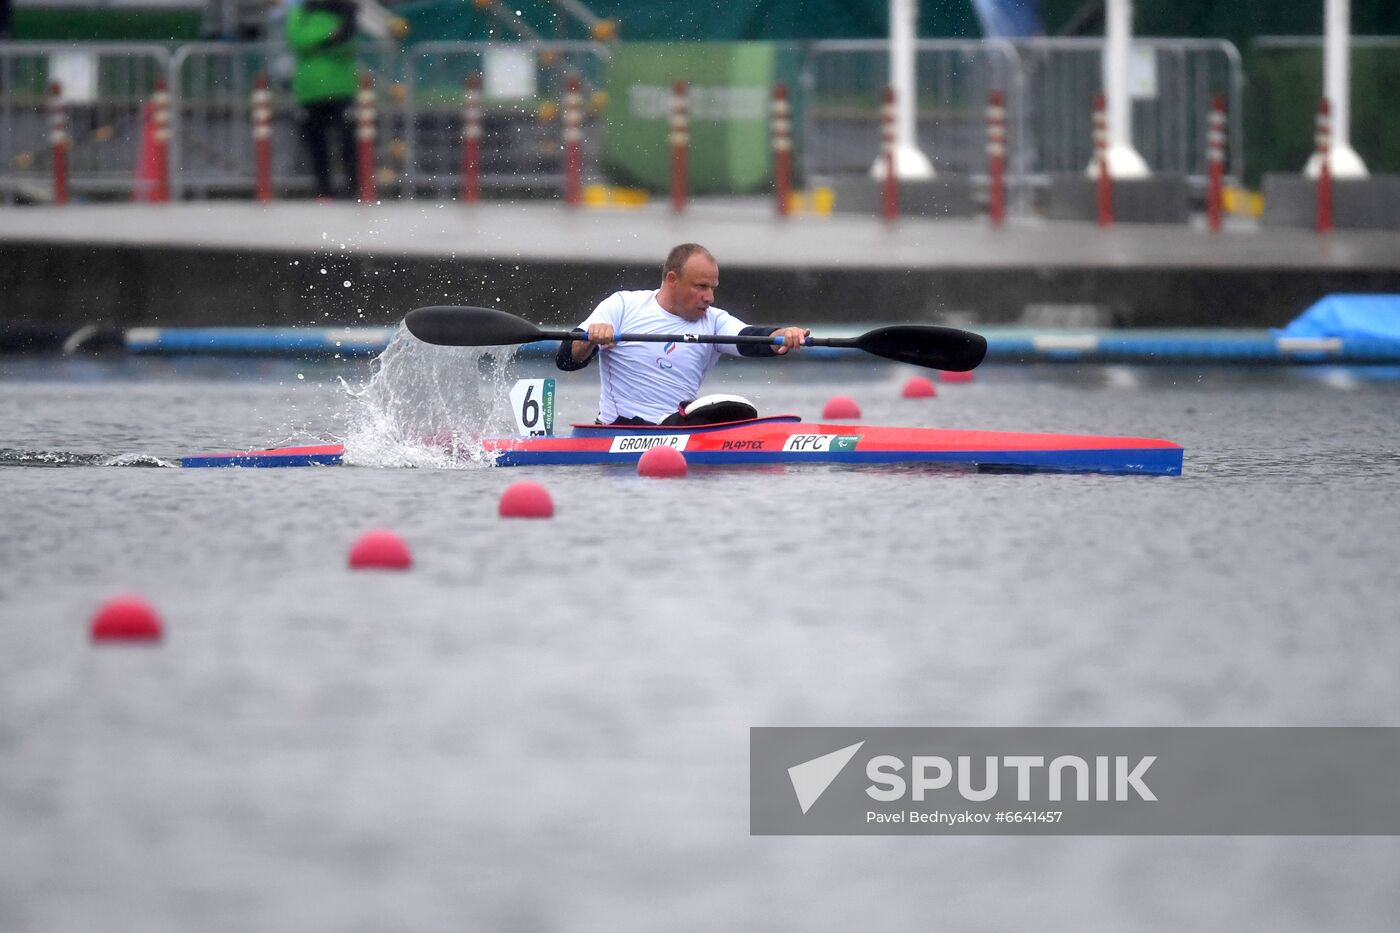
(262, 460)
(1152, 461)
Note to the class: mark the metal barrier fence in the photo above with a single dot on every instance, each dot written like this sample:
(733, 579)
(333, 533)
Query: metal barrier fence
(104, 86)
(842, 82)
(211, 145)
(523, 83)
(1171, 81)
(1286, 80)
(1049, 86)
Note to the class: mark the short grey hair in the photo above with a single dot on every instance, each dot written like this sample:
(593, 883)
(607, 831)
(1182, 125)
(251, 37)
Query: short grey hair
(680, 255)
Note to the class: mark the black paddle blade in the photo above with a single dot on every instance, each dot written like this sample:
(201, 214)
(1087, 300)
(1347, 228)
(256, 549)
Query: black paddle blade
(945, 348)
(454, 326)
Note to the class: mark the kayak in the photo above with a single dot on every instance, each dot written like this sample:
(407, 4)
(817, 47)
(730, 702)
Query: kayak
(780, 439)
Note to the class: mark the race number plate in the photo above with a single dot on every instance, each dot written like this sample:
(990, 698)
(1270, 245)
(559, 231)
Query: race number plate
(532, 400)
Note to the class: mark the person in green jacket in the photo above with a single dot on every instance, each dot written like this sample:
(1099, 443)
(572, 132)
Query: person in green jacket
(322, 35)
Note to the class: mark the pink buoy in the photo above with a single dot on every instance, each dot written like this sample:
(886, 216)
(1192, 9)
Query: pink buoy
(380, 549)
(526, 500)
(955, 377)
(918, 387)
(841, 407)
(126, 618)
(662, 462)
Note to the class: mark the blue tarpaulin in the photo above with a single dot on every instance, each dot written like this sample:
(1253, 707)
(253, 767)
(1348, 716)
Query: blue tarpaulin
(1352, 316)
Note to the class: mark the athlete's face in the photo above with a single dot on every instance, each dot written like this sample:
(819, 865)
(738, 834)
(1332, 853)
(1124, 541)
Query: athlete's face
(694, 288)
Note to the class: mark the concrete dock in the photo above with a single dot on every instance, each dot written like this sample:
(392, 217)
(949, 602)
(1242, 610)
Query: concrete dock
(227, 263)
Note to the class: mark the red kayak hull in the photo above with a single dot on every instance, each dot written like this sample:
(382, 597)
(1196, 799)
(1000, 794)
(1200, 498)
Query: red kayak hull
(785, 439)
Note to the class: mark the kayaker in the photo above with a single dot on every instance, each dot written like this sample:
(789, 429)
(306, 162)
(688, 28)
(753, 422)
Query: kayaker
(653, 383)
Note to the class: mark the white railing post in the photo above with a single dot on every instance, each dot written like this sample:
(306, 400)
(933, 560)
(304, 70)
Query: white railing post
(910, 161)
(1336, 71)
(1123, 160)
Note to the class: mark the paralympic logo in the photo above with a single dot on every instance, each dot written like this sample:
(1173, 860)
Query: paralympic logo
(661, 361)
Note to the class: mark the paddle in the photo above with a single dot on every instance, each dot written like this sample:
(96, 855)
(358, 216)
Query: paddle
(943, 348)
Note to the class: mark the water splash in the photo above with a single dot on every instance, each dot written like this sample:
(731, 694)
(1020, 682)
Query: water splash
(68, 458)
(430, 406)
(48, 458)
(138, 460)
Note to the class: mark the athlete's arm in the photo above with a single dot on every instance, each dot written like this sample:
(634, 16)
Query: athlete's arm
(595, 332)
(728, 324)
(564, 358)
(792, 339)
(599, 335)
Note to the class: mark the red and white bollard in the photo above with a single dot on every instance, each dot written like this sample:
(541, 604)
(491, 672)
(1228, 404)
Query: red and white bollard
(1215, 157)
(1105, 188)
(680, 143)
(890, 199)
(262, 137)
(471, 140)
(365, 135)
(573, 142)
(160, 120)
(996, 159)
(782, 150)
(59, 140)
(1324, 173)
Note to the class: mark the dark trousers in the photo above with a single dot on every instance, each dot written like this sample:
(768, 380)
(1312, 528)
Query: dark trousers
(325, 118)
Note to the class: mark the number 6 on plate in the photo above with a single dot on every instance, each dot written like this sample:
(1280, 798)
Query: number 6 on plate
(532, 400)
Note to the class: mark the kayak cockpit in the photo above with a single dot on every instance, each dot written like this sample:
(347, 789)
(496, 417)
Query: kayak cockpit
(612, 430)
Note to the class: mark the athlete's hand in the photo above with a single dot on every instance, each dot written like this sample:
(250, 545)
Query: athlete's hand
(792, 338)
(601, 335)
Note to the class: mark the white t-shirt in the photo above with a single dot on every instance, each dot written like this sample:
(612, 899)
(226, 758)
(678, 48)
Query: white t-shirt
(651, 380)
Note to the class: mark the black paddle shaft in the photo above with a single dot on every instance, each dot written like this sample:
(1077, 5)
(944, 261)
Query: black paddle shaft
(669, 338)
(945, 348)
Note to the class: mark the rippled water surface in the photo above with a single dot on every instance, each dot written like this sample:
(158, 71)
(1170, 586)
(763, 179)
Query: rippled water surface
(544, 725)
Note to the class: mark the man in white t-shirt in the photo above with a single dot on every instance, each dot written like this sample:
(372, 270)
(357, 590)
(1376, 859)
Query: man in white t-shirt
(648, 383)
